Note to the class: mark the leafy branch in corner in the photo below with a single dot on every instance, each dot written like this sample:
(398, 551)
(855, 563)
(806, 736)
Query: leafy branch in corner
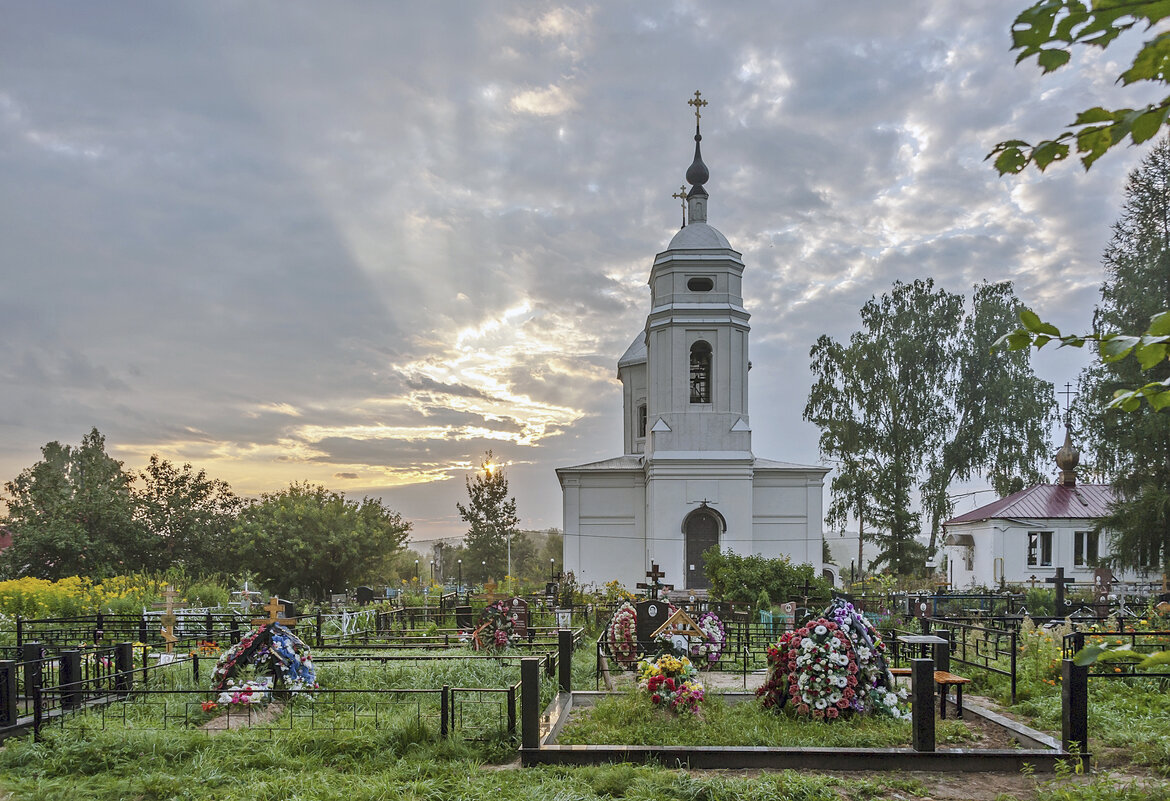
(1048, 30)
(1150, 349)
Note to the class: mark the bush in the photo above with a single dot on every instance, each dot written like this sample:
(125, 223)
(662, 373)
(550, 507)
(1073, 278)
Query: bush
(744, 579)
(209, 595)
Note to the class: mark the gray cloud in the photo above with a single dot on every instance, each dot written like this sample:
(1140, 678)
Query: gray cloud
(287, 244)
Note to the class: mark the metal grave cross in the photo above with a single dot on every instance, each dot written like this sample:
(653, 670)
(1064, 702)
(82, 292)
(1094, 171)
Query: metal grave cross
(1060, 581)
(1032, 580)
(274, 607)
(168, 618)
(806, 595)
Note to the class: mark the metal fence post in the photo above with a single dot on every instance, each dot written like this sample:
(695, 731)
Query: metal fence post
(124, 667)
(1014, 643)
(70, 679)
(565, 660)
(942, 650)
(530, 702)
(922, 711)
(7, 692)
(31, 654)
(19, 631)
(320, 625)
(444, 709)
(142, 629)
(195, 665)
(1074, 708)
(512, 712)
(38, 712)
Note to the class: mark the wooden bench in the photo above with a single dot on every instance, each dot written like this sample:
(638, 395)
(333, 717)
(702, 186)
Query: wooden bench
(945, 680)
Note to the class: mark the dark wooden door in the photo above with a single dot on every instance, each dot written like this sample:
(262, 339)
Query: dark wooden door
(702, 533)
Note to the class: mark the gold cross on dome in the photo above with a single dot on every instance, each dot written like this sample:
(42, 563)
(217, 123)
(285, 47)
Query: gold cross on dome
(274, 607)
(698, 103)
(681, 195)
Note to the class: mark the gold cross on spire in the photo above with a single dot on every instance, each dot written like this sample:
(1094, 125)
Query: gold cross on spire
(681, 194)
(698, 103)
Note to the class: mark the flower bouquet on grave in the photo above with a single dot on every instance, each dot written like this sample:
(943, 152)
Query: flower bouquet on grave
(272, 651)
(621, 636)
(710, 648)
(672, 683)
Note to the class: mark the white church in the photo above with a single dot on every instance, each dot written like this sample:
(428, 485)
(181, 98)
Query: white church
(688, 479)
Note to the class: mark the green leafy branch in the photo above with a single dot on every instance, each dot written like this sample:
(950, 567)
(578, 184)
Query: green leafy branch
(1124, 654)
(1048, 30)
(1150, 349)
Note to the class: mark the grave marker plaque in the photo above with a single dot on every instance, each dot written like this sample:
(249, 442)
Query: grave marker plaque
(788, 612)
(652, 615)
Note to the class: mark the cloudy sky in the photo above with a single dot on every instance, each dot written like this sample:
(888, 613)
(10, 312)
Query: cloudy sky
(360, 243)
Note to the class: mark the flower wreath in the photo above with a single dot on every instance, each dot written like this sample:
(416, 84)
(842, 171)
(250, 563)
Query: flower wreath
(714, 638)
(815, 667)
(498, 623)
(874, 677)
(621, 636)
(276, 651)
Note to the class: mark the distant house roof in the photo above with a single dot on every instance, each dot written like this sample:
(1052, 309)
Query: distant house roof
(1045, 501)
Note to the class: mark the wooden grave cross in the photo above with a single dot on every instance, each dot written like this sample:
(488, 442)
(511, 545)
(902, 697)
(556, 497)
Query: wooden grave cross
(1032, 580)
(168, 618)
(274, 607)
(1060, 581)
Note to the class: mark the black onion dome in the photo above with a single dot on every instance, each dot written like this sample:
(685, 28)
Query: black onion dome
(697, 173)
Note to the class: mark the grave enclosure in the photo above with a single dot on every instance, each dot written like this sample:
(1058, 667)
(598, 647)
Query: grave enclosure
(108, 685)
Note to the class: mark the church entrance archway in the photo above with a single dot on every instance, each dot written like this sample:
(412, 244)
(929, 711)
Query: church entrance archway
(701, 528)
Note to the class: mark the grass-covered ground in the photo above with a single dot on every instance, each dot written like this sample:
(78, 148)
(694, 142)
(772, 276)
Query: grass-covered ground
(630, 719)
(411, 762)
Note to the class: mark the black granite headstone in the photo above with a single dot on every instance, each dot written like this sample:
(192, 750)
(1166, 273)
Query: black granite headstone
(364, 595)
(651, 615)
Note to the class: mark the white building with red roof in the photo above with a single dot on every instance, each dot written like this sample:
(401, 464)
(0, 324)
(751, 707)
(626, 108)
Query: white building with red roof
(1025, 537)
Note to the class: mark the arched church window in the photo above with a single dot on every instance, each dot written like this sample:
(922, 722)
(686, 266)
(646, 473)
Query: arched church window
(701, 372)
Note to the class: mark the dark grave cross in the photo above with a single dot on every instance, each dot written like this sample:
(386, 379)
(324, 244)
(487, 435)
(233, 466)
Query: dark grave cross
(1032, 580)
(1060, 581)
(807, 587)
(654, 574)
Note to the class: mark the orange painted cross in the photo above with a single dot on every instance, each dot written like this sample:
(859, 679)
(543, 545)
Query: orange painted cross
(274, 608)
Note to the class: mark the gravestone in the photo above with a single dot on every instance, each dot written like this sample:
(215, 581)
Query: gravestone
(651, 615)
(338, 599)
(463, 618)
(364, 595)
(518, 613)
(290, 610)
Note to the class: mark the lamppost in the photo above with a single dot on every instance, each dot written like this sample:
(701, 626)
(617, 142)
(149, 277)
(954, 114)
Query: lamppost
(416, 570)
(459, 588)
(551, 575)
(432, 571)
(509, 554)
(484, 565)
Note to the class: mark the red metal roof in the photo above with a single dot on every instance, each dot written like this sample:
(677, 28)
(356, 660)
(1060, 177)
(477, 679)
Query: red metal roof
(1045, 501)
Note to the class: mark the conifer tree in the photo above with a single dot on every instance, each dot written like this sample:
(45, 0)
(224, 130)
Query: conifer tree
(491, 518)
